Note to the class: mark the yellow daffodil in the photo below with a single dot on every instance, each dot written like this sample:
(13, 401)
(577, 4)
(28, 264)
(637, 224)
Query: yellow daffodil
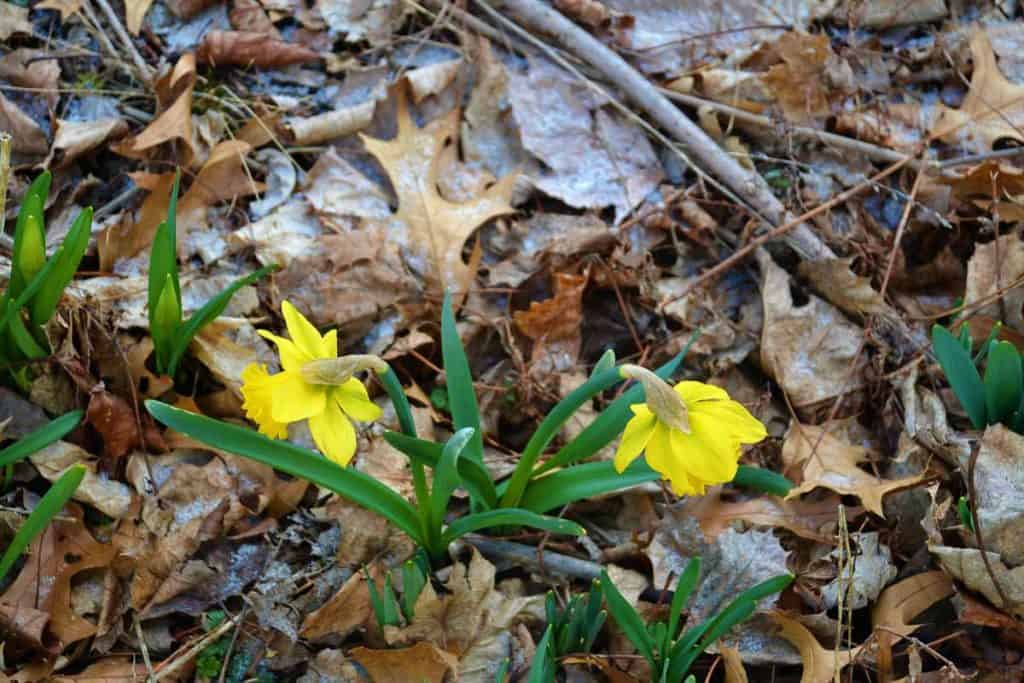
(315, 385)
(691, 432)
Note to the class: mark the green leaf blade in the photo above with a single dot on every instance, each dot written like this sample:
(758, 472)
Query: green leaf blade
(1003, 384)
(962, 375)
(508, 517)
(459, 380)
(580, 482)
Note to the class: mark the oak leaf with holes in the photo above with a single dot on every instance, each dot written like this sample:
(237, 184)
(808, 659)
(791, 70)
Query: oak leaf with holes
(432, 230)
(830, 463)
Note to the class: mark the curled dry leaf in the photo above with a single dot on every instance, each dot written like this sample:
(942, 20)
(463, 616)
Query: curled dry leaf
(330, 125)
(809, 350)
(820, 665)
(64, 549)
(876, 14)
(813, 520)
(591, 13)
(249, 16)
(248, 49)
(173, 123)
(831, 463)
(186, 9)
(432, 79)
(734, 671)
(121, 428)
(75, 138)
(28, 139)
(28, 68)
(430, 229)
(423, 662)
(373, 20)
(109, 496)
(347, 610)
(836, 280)
(992, 110)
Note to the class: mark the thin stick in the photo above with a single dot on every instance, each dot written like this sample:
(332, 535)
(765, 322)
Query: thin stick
(172, 666)
(5, 176)
(143, 647)
(145, 72)
(747, 184)
(866, 148)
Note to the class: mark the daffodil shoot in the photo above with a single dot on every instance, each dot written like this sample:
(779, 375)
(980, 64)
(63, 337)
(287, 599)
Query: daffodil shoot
(315, 385)
(690, 433)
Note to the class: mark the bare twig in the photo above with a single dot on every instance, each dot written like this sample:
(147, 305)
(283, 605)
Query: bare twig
(5, 176)
(144, 648)
(145, 71)
(176, 663)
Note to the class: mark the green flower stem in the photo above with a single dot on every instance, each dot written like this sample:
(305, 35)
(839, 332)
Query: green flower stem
(549, 428)
(393, 388)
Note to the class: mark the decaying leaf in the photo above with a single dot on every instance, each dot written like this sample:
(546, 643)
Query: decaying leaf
(902, 601)
(422, 662)
(799, 83)
(121, 427)
(430, 229)
(811, 520)
(346, 611)
(872, 570)
(991, 271)
(63, 550)
(13, 19)
(819, 664)
(372, 20)
(592, 157)
(831, 463)
(554, 324)
(809, 350)
(734, 671)
(992, 110)
(844, 288)
(968, 566)
(999, 488)
(28, 138)
(75, 138)
(245, 48)
(107, 495)
(173, 123)
(468, 613)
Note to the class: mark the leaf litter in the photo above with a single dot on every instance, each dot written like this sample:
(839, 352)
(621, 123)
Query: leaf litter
(384, 152)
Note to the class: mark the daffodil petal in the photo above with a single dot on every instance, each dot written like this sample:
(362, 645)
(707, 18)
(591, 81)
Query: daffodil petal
(292, 357)
(333, 434)
(355, 401)
(640, 410)
(708, 453)
(731, 417)
(693, 392)
(258, 399)
(657, 451)
(634, 439)
(296, 400)
(303, 333)
(329, 345)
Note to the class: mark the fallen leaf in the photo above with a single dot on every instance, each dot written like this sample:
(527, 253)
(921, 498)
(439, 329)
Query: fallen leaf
(972, 611)
(248, 49)
(373, 20)
(281, 181)
(222, 177)
(347, 610)
(810, 350)
(365, 536)
(135, 13)
(330, 125)
(799, 83)
(13, 19)
(109, 496)
(592, 157)
(121, 428)
(423, 662)
(186, 9)
(820, 665)
(993, 108)
(339, 193)
(874, 14)
(28, 138)
(430, 229)
(128, 237)
(75, 138)
(813, 520)
(64, 549)
(968, 567)
(29, 68)
(902, 601)
(489, 135)
(555, 324)
(836, 280)
(173, 123)
(991, 269)
(873, 568)
(432, 79)
(286, 234)
(468, 613)
(833, 464)
(249, 16)
(546, 238)
(999, 489)
(591, 13)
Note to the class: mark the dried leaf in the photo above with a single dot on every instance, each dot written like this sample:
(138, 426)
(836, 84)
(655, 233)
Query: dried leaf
(831, 463)
(173, 123)
(372, 20)
(992, 268)
(75, 138)
(992, 110)
(28, 138)
(555, 324)
(592, 157)
(810, 349)
(798, 83)
(999, 489)
(422, 662)
(968, 566)
(330, 125)
(13, 19)
(591, 13)
(347, 610)
(135, 14)
(431, 229)
(872, 569)
(819, 664)
(836, 280)
(885, 14)
(734, 671)
(248, 49)
(29, 68)
(813, 520)
(249, 16)
(121, 428)
(109, 496)
(63, 550)
(901, 602)
(432, 79)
